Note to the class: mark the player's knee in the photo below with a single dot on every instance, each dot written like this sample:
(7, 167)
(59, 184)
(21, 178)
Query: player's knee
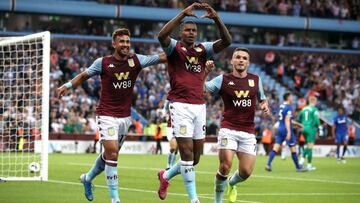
(245, 173)
(111, 156)
(225, 168)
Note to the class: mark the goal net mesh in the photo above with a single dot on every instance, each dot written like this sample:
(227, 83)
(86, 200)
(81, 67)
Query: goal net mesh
(24, 97)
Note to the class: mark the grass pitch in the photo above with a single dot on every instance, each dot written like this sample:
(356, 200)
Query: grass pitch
(331, 182)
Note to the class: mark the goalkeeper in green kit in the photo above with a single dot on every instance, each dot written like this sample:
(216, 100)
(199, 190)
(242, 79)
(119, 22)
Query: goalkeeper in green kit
(308, 117)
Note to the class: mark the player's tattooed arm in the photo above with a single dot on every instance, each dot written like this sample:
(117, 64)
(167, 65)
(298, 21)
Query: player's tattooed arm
(225, 37)
(164, 34)
(78, 80)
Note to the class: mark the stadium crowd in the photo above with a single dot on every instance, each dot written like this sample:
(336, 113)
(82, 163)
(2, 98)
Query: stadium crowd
(336, 9)
(334, 79)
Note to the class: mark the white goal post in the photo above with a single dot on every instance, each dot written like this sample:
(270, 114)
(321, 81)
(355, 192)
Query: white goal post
(24, 107)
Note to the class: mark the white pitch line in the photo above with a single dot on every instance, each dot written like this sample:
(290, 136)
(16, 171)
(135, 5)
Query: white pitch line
(140, 190)
(254, 176)
(296, 194)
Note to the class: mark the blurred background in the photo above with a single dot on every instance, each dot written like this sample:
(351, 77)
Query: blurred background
(306, 47)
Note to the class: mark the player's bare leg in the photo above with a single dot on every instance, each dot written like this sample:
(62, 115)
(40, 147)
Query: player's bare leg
(198, 150)
(245, 169)
(225, 162)
(111, 156)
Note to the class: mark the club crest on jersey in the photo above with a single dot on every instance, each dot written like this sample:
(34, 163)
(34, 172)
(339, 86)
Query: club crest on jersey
(182, 129)
(111, 131)
(111, 65)
(223, 142)
(251, 83)
(198, 49)
(131, 62)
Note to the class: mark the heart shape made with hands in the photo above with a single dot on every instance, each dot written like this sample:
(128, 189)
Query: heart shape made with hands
(209, 11)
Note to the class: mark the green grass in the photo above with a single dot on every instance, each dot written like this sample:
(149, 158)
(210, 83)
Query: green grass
(331, 182)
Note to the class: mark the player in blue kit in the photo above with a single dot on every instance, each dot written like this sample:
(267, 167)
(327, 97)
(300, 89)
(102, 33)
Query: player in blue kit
(285, 132)
(339, 132)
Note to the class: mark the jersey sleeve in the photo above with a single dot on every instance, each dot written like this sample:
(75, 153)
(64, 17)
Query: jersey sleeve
(261, 95)
(149, 60)
(209, 49)
(214, 85)
(288, 112)
(316, 118)
(95, 68)
(168, 50)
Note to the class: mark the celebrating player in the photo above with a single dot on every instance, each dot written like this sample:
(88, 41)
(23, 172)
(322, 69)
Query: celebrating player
(118, 75)
(308, 117)
(186, 67)
(285, 132)
(240, 92)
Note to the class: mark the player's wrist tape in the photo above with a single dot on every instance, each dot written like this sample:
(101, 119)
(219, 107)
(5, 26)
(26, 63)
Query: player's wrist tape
(68, 85)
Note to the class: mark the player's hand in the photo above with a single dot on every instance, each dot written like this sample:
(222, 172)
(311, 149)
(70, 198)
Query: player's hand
(210, 12)
(62, 91)
(265, 107)
(209, 66)
(188, 11)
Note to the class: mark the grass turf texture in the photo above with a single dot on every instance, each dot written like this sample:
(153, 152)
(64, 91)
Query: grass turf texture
(331, 182)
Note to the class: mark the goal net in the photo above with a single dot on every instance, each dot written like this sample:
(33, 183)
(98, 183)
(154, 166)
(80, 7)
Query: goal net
(24, 107)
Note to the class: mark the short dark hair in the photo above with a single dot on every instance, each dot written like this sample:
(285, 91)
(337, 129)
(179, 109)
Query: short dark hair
(120, 32)
(242, 49)
(286, 95)
(185, 23)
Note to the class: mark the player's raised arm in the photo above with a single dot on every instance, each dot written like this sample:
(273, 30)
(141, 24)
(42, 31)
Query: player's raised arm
(78, 80)
(164, 34)
(225, 37)
(94, 69)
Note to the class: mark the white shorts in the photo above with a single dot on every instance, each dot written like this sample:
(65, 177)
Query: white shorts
(169, 133)
(112, 128)
(188, 120)
(238, 141)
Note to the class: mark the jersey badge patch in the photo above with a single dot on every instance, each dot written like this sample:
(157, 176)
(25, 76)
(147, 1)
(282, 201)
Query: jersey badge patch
(223, 142)
(231, 83)
(182, 129)
(251, 83)
(111, 131)
(111, 65)
(131, 62)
